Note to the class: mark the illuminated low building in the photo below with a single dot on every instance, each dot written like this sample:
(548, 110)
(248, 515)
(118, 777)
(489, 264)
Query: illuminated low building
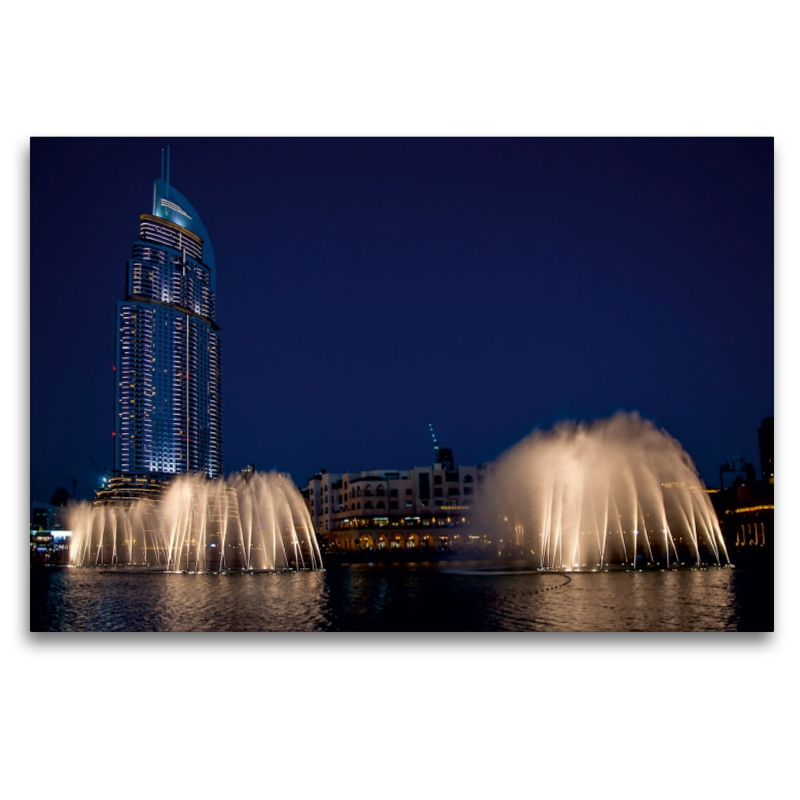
(50, 548)
(746, 507)
(746, 514)
(48, 529)
(124, 490)
(390, 509)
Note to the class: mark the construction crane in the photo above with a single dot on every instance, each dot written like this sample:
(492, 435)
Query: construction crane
(103, 473)
(444, 455)
(435, 441)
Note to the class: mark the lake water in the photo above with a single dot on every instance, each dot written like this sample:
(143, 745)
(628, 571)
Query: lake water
(404, 597)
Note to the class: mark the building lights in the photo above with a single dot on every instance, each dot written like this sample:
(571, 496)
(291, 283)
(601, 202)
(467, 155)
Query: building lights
(172, 271)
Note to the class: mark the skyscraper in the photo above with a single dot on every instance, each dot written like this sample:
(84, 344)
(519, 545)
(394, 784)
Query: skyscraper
(168, 391)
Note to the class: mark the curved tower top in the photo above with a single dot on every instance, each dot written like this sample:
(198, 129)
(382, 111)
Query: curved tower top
(171, 205)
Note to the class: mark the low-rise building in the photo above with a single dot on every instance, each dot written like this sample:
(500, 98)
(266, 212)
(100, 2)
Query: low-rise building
(746, 513)
(383, 509)
(746, 507)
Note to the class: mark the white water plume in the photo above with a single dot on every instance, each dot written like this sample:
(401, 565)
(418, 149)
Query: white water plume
(612, 492)
(255, 521)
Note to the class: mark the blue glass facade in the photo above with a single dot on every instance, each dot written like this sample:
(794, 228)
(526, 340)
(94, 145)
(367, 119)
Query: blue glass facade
(168, 399)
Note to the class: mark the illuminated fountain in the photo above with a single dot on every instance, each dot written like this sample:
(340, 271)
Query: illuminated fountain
(614, 492)
(249, 521)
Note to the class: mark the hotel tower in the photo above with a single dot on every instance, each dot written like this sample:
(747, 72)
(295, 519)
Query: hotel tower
(168, 388)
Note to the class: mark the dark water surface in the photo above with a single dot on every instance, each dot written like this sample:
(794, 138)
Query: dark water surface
(407, 597)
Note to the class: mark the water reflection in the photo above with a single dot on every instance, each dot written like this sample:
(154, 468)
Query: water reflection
(422, 597)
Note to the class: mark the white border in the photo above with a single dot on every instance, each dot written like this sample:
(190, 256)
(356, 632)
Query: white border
(494, 714)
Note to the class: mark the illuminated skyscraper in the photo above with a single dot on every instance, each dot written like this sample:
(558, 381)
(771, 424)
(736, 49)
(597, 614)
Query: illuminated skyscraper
(168, 396)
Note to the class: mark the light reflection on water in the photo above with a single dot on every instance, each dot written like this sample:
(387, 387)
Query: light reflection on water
(402, 598)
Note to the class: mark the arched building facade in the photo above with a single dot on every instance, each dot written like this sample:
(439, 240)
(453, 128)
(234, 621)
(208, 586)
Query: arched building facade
(375, 510)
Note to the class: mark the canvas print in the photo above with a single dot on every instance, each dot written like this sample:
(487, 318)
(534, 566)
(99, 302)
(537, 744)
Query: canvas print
(401, 384)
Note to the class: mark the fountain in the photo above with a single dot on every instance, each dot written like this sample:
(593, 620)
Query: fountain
(614, 492)
(250, 521)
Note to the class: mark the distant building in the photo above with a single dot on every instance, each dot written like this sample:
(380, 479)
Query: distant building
(48, 533)
(50, 516)
(43, 516)
(60, 497)
(746, 514)
(745, 506)
(736, 469)
(50, 547)
(378, 509)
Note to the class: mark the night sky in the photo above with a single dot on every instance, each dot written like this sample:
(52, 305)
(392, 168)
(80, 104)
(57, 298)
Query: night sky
(366, 287)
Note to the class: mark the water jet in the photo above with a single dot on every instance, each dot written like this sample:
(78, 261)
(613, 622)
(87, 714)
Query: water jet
(617, 491)
(257, 523)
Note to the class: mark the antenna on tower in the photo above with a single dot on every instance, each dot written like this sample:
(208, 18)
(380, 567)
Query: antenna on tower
(162, 163)
(167, 165)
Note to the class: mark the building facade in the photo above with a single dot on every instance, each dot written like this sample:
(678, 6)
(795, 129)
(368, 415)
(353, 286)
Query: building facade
(746, 507)
(405, 509)
(49, 534)
(168, 387)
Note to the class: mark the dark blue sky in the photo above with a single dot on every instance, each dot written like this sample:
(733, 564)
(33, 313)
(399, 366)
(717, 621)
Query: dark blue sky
(368, 286)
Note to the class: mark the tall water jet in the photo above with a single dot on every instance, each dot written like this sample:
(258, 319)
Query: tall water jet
(249, 521)
(612, 492)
